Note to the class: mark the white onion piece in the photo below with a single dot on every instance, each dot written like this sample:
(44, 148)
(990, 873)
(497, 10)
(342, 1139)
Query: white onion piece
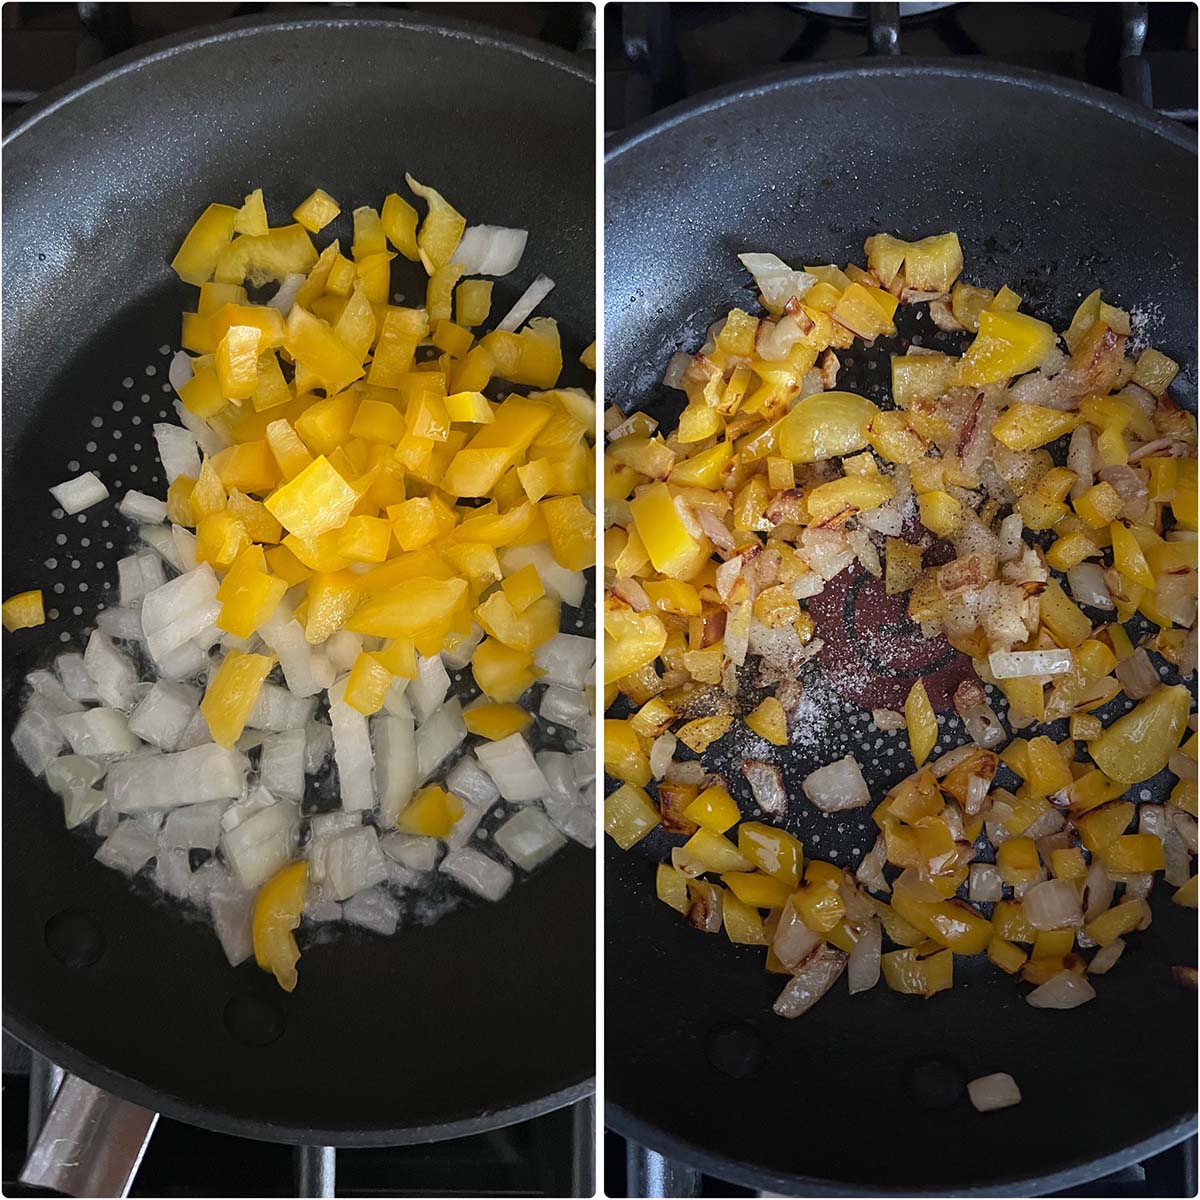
(98, 731)
(207, 438)
(1086, 582)
(395, 765)
(812, 979)
(1098, 891)
(677, 366)
(277, 710)
(1053, 905)
(106, 820)
(862, 970)
(464, 828)
(114, 674)
(79, 493)
(490, 249)
(172, 872)
(261, 844)
(565, 706)
(766, 786)
(511, 764)
(1185, 826)
(351, 752)
(49, 695)
(186, 662)
(194, 827)
(1064, 990)
(342, 648)
(196, 734)
(354, 862)
(475, 871)
(887, 719)
(990, 1092)
(470, 781)
(777, 282)
(281, 766)
(72, 778)
(185, 547)
(439, 737)
(793, 941)
(148, 510)
(164, 713)
(528, 838)
(568, 586)
(77, 683)
(984, 883)
(180, 369)
(458, 656)
(177, 452)
(1106, 957)
(870, 871)
(520, 312)
(127, 849)
(305, 671)
(121, 624)
(411, 850)
(162, 781)
(1016, 664)
(580, 826)
(318, 742)
(232, 910)
(1137, 675)
(838, 786)
(373, 909)
(285, 297)
(427, 691)
(662, 751)
(565, 659)
(180, 610)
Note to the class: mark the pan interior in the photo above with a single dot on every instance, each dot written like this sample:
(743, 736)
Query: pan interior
(864, 1094)
(444, 1029)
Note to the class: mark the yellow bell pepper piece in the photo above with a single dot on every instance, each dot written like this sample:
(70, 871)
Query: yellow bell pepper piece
(432, 812)
(1063, 617)
(252, 216)
(1154, 372)
(714, 809)
(843, 498)
(369, 237)
(290, 453)
(494, 721)
(246, 467)
(197, 257)
(316, 211)
(441, 230)
(629, 815)
(826, 425)
(699, 734)
(332, 598)
(231, 694)
(1070, 550)
(313, 344)
(1133, 853)
(275, 255)
(1008, 344)
(472, 407)
(422, 603)
(773, 851)
(399, 221)
(524, 631)
(1017, 860)
(743, 926)
(23, 611)
(1103, 825)
(1128, 557)
(450, 338)
(1027, 426)
(204, 394)
(478, 466)
(502, 673)
(277, 909)
(1005, 955)
(1010, 923)
(1117, 922)
(670, 886)
(921, 721)
(523, 587)
(671, 547)
(769, 721)
(367, 684)
(220, 538)
(756, 890)
(624, 757)
(364, 539)
(940, 513)
(572, 531)
(950, 923)
(1186, 895)
(1099, 505)
(249, 594)
(473, 302)
(179, 500)
(315, 501)
(914, 972)
(1139, 744)
(717, 854)
(270, 388)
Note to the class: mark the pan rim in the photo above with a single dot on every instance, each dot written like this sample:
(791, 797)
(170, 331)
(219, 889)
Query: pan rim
(619, 155)
(747, 1174)
(212, 33)
(950, 68)
(53, 102)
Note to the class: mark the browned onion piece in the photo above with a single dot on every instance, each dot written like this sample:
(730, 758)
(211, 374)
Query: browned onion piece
(766, 786)
(810, 981)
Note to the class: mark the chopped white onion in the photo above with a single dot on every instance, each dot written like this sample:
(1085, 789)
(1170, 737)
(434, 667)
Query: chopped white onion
(427, 691)
(180, 369)
(186, 662)
(72, 778)
(511, 764)
(137, 506)
(207, 438)
(777, 282)
(373, 909)
(342, 648)
(811, 980)
(395, 748)
(662, 751)
(351, 752)
(277, 710)
(306, 670)
(353, 862)
(169, 780)
(793, 941)
(1053, 905)
(528, 838)
(1064, 990)
(410, 850)
(114, 674)
(261, 844)
(887, 719)
(127, 849)
(180, 611)
(565, 706)
(862, 970)
(1137, 675)
(470, 781)
(438, 738)
(566, 659)
(1016, 664)
(490, 249)
(164, 713)
(838, 786)
(281, 766)
(1086, 581)
(49, 695)
(990, 1092)
(1098, 891)
(97, 731)
(177, 452)
(185, 547)
(533, 295)
(476, 871)
(766, 786)
(463, 829)
(172, 872)
(232, 910)
(870, 871)
(77, 683)
(285, 297)
(79, 493)
(318, 742)
(1106, 957)
(194, 827)
(984, 883)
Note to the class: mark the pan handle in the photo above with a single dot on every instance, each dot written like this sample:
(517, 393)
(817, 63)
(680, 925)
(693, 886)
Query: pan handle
(883, 29)
(650, 1174)
(90, 1144)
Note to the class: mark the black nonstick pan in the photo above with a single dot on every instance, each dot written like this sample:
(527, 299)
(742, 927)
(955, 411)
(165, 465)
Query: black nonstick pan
(1054, 189)
(485, 1017)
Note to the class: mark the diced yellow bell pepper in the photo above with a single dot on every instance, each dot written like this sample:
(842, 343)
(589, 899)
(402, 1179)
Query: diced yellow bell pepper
(332, 597)
(364, 539)
(208, 494)
(248, 594)
(315, 501)
(432, 812)
(1185, 896)
(275, 255)
(1017, 860)
(699, 734)
(399, 221)
(1070, 550)
(476, 469)
(502, 673)
(940, 513)
(524, 631)
(825, 425)
(624, 757)
(773, 851)
(422, 603)
(252, 216)
(270, 388)
(714, 809)
(915, 973)
(1099, 505)
(441, 230)
(1008, 344)
(1133, 853)
(313, 344)
(1154, 372)
(247, 467)
(344, 274)
(367, 684)
(921, 721)
(197, 257)
(1139, 744)
(316, 211)
(670, 886)
(277, 909)
(231, 694)
(629, 815)
(743, 925)
(1010, 923)
(472, 407)
(1008, 957)
(220, 538)
(1117, 921)
(179, 500)
(769, 721)
(523, 587)
(23, 611)
(290, 453)
(203, 393)
(1063, 617)
(1047, 772)
(1027, 426)
(374, 272)
(572, 529)
(1128, 557)
(495, 721)
(671, 547)
(450, 338)
(472, 302)
(950, 923)
(757, 890)
(369, 237)
(717, 854)
(1103, 825)
(866, 311)
(473, 372)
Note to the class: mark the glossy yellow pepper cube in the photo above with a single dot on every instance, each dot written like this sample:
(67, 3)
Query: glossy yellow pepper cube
(773, 851)
(317, 500)
(670, 545)
(290, 453)
(1017, 860)
(441, 230)
(399, 221)
(1102, 826)
(220, 538)
(714, 852)
(472, 302)
(1128, 557)
(494, 721)
(1133, 854)
(231, 694)
(432, 812)
(473, 372)
(1070, 550)
(316, 210)
(196, 259)
(24, 611)
(699, 734)
(1063, 617)
(714, 809)
(277, 909)
(1028, 426)
(940, 513)
(769, 721)
(629, 815)
(1005, 955)
(914, 972)
(247, 467)
(313, 344)
(502, 673)
(756, 890)
(523, 587)
(275, 255)
(572, 529)
(367, 684)
(179, 500)
(364, 539)
(203, 393)
(478, 466)
(332, 598)
(249, 594)
(1117, 921)
(1008, 344)
(1099, 505)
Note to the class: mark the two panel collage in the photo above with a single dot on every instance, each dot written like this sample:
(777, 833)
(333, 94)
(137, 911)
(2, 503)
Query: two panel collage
(599, 600)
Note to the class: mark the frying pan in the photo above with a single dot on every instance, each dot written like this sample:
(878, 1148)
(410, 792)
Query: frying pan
(442, 1030)
(1055, 189)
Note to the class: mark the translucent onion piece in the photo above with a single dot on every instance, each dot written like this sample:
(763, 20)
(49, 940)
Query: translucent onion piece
(811, 980)
(990, 1092)
(490, 249)
(838, 786)
(863, 967)
(1016, 664)
(1064, 990)
(520, 312)
(82, 492)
